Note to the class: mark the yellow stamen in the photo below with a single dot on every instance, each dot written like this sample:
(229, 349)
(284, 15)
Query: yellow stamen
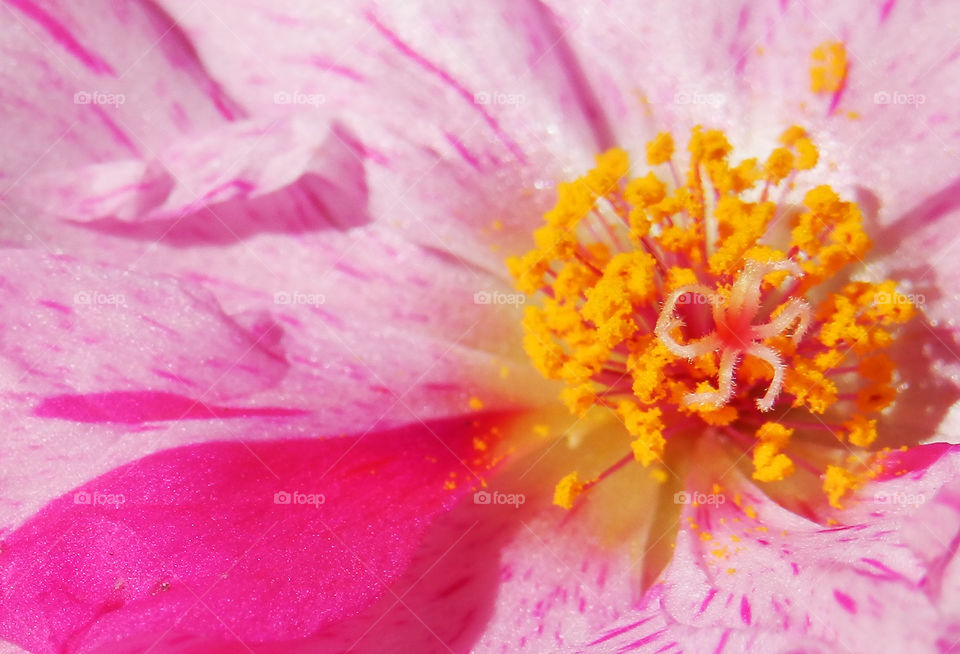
(567, 491)
(837, 482)
(768, 461)
(829, 69)
(695, 307)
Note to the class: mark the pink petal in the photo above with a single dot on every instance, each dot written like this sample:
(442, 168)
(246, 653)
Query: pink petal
(500, 579)
(796, 584)
(70, 327)
(196, 541)
(97, 83)
(208, 187)
(105, 366)
(444, 162)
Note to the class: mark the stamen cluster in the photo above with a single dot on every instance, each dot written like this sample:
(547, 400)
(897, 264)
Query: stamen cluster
(679, 302)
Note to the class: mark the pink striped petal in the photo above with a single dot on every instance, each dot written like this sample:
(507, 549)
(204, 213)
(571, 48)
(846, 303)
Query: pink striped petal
(884, 578)
(97, 83)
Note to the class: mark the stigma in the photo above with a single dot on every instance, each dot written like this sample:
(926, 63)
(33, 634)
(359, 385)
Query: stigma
(717, 300)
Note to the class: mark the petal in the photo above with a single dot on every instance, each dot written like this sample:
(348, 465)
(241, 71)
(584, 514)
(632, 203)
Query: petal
(751, 576)
(288, 168)
(506, 571)
(61, 318)
(97, 83)
(468, 139)
(229, 541)
(104, 366)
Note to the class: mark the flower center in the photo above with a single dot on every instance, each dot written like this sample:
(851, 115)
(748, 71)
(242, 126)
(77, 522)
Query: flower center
(712, 304)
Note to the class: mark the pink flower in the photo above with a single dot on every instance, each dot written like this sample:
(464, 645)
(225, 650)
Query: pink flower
(265, 390)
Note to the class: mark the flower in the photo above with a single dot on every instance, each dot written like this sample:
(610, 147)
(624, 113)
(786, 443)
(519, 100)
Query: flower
(237, 234)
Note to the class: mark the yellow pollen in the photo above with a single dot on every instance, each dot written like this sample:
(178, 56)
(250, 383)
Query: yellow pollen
(660, 149)
(769, 463)
(691, 303)
(475, 403)
(567, 491)
(828, 71)
(837, 482)
(860, 431)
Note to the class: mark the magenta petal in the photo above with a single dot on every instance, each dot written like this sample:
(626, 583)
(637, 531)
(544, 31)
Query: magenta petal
(256, 543)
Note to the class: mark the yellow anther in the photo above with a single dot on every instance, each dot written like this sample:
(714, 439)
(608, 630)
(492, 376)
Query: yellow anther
(545, 353)
(578, 399)
(775, 434)
(574, 202)
(647, 428)
(740, 224)
(573, 281)
(828, 72)
(769, 463)
(807, 154)
(824, 361)
(645, 191)
(837, 482)
(648, 449)
(626, 281)
(779, 165)
(810, 387)
(660, 149)
(792, 135)
(860, 431)
(528, 271)
(709, 145)
(567, 491)
(612, 166)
